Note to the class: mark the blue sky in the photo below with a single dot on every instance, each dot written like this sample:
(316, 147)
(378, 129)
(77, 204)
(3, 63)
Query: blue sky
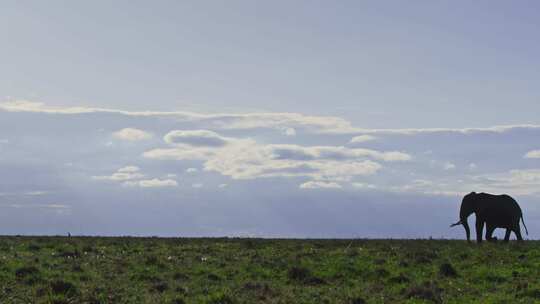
(281, 118)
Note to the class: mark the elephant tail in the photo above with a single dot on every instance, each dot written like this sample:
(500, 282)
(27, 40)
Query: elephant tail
(527, 231)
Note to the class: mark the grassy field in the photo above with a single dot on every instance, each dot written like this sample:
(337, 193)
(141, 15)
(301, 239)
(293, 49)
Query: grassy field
(156, 270)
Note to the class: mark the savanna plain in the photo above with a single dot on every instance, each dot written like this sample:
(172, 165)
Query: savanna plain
(229, 270)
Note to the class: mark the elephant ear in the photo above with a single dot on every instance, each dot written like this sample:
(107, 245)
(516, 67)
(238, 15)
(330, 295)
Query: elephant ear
(472, 193)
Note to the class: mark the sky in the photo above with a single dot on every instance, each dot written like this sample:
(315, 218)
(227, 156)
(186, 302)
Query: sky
(267, 119)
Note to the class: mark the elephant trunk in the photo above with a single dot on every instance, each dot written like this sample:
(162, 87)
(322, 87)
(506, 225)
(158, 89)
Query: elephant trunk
(455, 224)
(465, 225)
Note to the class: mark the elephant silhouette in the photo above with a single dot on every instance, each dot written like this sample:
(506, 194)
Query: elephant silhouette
(494, 211)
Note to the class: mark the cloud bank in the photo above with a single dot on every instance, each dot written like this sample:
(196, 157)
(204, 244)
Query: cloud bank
(245, 158)
(289, 123)
(208, 165)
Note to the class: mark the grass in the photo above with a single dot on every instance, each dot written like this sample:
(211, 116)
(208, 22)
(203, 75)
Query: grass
(156, 270)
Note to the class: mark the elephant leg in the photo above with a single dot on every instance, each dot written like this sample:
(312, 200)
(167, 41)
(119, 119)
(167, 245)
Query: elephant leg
(517, 231)
(479, 228)
(489, 233)
(507, 235)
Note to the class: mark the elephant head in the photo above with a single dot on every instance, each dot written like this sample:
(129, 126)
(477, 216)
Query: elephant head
(468, 206)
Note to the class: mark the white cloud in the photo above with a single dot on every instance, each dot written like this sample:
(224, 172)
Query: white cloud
(259, 161)
(235, 121)
(44, 206)
(152, 183)
(364, 186)
(56, 206)
(362, 139)
(449, 166)
(465, 131)
(131, 134)
(129, 169)
(36, 193)
(473, 166)
(4, 141)
(197, 185)
(279, 121)
(26, 193)
(445, 193)
(192, 170)
(289, 131)
(180, 153)
(430, 187)
(122, 174)
(518, 182)
(319, 185)
(131, 176)
(282, 121)
(222, 186)
(196, 138)
(533, 154)
(513, 182)
(246, 159)
(530, 176)
(333, 152)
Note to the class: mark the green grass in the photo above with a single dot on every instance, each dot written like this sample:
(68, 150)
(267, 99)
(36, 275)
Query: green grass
(156, 270)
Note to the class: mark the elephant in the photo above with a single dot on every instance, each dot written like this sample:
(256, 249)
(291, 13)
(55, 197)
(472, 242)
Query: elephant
(495, 211)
